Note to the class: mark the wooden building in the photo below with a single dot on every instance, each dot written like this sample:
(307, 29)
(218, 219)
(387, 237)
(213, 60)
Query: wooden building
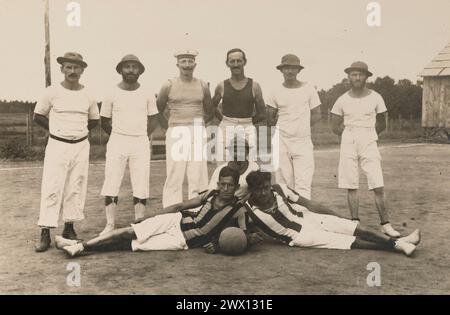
(436, 93)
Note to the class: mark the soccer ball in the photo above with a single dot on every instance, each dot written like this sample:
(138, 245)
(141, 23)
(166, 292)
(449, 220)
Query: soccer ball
(232, 241)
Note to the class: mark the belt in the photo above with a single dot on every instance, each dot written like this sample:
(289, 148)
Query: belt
(235, 120)
(67, 140)
(359, 127)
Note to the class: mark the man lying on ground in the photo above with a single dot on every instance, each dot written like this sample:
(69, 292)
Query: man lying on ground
(174, 227)
(286, 216)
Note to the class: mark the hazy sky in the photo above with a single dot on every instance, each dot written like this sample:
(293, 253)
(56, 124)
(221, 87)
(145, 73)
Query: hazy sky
(326, 35)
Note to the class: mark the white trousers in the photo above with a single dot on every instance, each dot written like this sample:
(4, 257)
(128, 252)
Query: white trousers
(136, 151)
(325, 231)
(296, 164)
(229, 128)
(181, 161)
(64, 182)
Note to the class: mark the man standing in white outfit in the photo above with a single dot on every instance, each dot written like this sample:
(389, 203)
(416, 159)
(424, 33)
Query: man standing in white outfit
(129, 115)
(69, 112)
(188, 101)
(294, 106)
(358, 117)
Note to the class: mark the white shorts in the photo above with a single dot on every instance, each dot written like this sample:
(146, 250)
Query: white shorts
(359, 145)
(136, 151)
(162, 232)
(325, 231)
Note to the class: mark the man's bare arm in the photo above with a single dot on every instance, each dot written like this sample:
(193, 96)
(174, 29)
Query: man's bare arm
(189, 204)
(41, 120)
(163, 97)
(316, 207)
(337, 123)
(260, 105)
(106, 124)
(272, 115)
(152, 123)
(380, 125)
(216, 101)
(316, 115)
(92, 123)
(207, 104)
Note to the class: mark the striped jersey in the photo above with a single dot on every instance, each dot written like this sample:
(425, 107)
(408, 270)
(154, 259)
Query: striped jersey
(200, 227)
(284, 220)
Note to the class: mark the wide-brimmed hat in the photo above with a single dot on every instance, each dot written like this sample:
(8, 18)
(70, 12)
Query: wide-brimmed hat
(72, 57)
(129, 58)
(359, 66)
(190, 53)
(290, 60)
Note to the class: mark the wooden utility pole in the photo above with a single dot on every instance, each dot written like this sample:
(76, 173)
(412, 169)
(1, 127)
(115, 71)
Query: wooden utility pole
(48, 80)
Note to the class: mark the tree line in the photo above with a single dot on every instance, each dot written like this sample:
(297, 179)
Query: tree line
(402, 98)
(15, 106)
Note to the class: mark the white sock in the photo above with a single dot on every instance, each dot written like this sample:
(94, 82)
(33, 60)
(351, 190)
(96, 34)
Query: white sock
(110, 211)
(139, 211)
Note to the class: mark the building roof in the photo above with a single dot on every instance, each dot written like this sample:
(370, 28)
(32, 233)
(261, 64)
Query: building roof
(440, 65)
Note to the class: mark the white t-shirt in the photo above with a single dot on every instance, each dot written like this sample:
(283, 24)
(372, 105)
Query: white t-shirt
(68, 111)
(242, 190)
(129, 110)
(359, 112)
(294, 109)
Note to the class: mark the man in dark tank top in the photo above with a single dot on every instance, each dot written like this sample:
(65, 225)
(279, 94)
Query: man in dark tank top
(242, 100)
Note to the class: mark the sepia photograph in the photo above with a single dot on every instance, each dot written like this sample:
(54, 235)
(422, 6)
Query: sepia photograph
(224, 148)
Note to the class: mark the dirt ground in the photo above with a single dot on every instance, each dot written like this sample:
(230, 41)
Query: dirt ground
(417, 181)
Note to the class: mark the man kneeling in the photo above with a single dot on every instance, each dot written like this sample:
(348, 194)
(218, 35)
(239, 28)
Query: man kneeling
(284, 215)
(174, 228)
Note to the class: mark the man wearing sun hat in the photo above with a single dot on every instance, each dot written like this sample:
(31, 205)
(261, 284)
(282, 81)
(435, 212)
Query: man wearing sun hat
(294, 106)
(188, 102)
(69, 112)
(129, 115)
(358, 117)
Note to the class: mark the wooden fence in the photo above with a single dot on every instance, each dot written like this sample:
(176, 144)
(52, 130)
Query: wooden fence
(17, 124)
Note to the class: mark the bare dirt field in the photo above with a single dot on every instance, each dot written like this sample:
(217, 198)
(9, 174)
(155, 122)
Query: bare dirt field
(417, 181)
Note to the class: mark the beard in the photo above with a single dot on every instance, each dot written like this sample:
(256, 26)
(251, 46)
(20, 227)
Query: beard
(130, 78)
(72, 76)
(290, 77)
(357, 85)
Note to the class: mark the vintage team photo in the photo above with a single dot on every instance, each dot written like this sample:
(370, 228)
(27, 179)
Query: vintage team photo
(225, 147)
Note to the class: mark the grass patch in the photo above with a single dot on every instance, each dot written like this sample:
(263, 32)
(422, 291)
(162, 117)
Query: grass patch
(15, 150)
